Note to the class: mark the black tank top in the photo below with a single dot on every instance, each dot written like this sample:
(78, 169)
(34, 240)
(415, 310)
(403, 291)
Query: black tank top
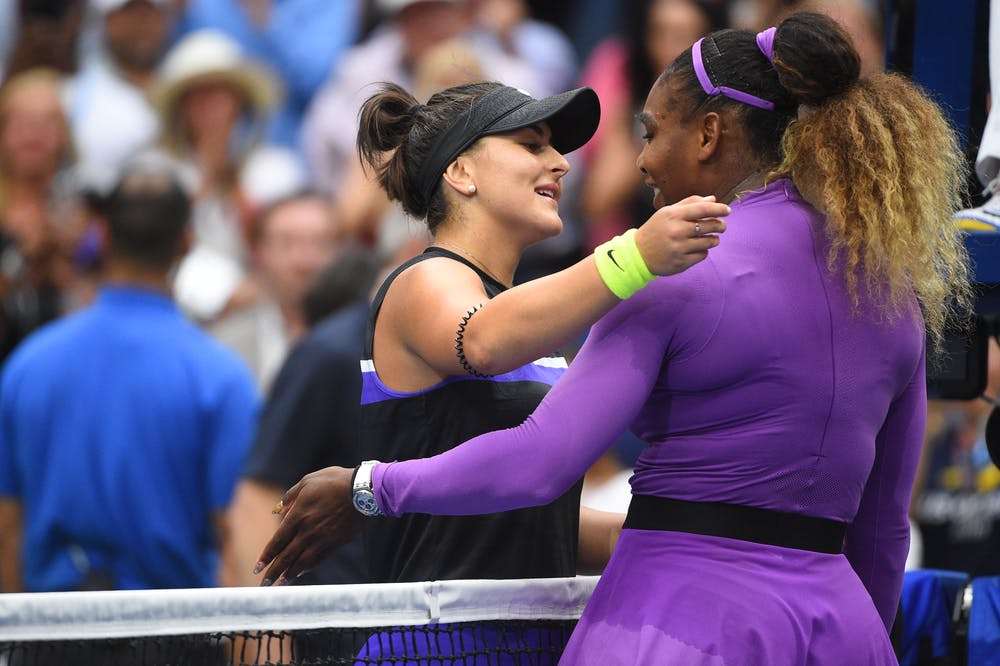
(527, 543)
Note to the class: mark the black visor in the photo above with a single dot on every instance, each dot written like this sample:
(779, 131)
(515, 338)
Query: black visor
(572, 117)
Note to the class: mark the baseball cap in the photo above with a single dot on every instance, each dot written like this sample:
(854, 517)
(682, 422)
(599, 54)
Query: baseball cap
(572, 117)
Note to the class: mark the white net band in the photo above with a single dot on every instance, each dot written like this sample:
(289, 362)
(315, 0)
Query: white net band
(129, 613)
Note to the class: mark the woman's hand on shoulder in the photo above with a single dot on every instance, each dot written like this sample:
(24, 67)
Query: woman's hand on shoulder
(678, 236)
(317, 516)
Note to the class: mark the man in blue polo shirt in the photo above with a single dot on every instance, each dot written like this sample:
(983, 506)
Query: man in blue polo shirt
(123, 427)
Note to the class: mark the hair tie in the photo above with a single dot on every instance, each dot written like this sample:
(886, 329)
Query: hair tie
(765, 42)
(417, 108)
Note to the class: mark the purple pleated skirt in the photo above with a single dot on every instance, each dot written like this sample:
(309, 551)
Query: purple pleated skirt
(675, 598)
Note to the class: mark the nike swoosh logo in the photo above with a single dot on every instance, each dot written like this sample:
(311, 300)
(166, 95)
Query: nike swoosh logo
(611, 256)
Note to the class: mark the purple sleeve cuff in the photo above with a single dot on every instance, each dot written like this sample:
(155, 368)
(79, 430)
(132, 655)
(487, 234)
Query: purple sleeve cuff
(378, 473)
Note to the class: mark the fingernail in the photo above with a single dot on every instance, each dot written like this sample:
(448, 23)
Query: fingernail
(282, 580)
(257, 568)
(266, 582)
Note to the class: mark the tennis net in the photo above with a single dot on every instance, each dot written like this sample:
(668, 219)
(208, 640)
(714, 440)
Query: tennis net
(444, 623)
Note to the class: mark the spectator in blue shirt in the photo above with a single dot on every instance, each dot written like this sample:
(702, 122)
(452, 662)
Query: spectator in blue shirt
(123, 427)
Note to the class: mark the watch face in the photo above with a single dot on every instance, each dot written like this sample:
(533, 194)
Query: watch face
(364, 501)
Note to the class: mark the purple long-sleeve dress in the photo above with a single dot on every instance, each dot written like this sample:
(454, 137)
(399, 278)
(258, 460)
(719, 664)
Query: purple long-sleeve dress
(755, 382)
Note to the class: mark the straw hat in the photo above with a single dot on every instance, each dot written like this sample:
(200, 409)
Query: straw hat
(209, 56)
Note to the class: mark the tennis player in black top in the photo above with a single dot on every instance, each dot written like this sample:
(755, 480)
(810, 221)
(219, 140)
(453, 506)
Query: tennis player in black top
(453, 350)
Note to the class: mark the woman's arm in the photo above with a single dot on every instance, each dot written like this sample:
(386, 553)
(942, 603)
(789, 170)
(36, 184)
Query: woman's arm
(537, 317)
(533, 319)
(250, 525)
(10, 545)
(879, 537)
(599, 532)
(584, 413)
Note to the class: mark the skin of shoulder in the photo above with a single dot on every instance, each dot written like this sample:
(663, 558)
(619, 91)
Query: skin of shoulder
(415, 333)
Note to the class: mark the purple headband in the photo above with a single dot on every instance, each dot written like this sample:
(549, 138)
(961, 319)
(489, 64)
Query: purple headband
(767, 48)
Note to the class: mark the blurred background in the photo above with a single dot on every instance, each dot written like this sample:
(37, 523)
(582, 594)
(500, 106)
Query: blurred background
(258, 101)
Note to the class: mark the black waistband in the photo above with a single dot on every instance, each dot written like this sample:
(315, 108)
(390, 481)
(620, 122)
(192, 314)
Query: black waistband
(789, 530)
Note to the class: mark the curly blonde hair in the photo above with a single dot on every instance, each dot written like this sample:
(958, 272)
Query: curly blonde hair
(875, 154)
(883, 164)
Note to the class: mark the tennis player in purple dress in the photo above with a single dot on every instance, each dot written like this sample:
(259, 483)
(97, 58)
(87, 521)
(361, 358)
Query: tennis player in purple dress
(752, 389)
(779, 384)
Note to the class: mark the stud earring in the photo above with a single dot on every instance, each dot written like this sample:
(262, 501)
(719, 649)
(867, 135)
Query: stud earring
(472, 189)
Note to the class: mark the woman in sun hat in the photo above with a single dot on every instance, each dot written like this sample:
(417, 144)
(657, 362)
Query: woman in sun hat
(207, 59)
(214, 103)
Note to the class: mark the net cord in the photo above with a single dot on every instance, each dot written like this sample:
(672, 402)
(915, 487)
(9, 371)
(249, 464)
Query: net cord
(132, 613)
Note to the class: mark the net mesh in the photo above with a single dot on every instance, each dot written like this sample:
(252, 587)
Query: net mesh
(441, 623)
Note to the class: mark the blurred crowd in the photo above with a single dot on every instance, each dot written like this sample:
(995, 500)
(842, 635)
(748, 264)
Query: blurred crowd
(257, 100)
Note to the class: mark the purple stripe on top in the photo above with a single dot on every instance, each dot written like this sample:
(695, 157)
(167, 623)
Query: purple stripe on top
(545, 370)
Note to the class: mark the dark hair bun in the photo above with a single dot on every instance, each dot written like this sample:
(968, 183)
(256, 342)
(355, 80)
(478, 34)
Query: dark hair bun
(814, 58)
(385, 118)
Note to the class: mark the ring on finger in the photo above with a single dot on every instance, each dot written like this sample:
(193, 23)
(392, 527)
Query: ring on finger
(278, 507)
(697, 228)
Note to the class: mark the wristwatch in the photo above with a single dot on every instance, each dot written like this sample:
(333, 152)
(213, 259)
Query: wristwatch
(362, 493)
